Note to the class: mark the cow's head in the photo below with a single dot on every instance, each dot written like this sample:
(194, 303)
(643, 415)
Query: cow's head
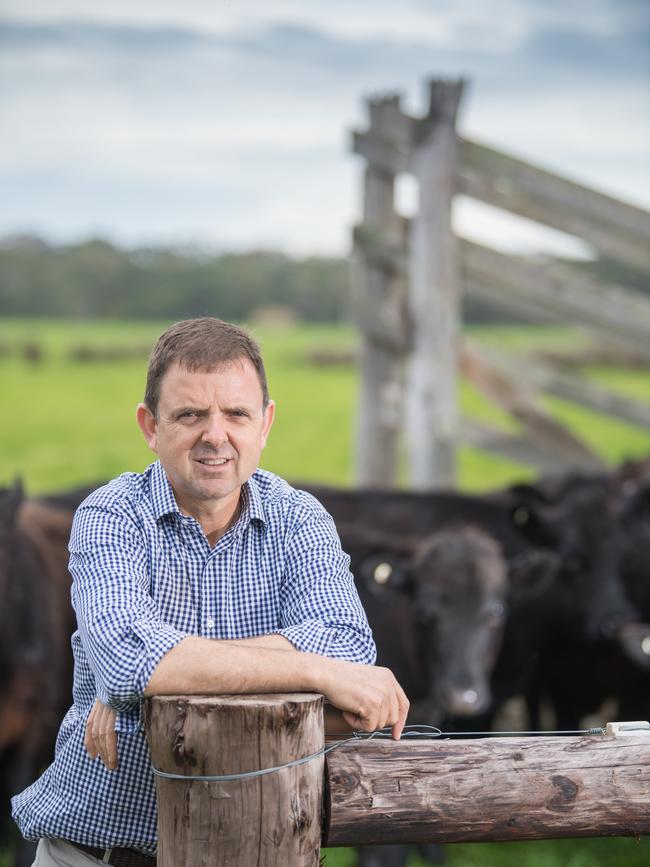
(459, 586)
(460, 598)
(576, 520)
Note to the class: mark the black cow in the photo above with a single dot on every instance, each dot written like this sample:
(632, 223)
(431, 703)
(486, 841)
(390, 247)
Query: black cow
(584, 604)
(35, 657)
(578, 676)
(437, 607)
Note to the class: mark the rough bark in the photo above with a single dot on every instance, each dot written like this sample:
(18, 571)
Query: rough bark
(488, 790)
(268, 820)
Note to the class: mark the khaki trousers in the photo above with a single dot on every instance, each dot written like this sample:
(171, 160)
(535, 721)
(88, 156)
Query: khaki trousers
(58, 853)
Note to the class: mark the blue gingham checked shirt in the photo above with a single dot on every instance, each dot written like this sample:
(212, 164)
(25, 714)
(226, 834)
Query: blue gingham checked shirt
(144, 578)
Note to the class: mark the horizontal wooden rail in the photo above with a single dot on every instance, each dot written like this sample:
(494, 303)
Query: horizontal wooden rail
(491, 789)
(559, 292)
(617, 229)
(516, 448)
(536, 376)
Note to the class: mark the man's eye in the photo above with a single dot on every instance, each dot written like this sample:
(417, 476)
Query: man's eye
(187, 417)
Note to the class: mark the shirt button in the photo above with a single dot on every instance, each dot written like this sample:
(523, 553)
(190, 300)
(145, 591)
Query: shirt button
(210, 622)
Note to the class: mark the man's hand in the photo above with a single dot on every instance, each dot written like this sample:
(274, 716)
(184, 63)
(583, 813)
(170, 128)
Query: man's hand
(100, 738)
(369, 696)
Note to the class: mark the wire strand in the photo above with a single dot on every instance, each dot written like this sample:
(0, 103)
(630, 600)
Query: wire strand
(415, 731)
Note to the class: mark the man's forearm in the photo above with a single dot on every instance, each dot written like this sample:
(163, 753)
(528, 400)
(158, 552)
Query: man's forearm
(271, 641)
(369, 696)
(259, 664)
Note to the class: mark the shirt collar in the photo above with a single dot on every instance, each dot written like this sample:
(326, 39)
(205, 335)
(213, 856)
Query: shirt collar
(164, 501)
(162, 495)
(252, 507)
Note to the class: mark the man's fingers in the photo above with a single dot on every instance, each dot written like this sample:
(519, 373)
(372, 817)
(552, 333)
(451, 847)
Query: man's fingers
(402, 713)
(107, 737)
(370, 698)
(89, 741)
(100, 738)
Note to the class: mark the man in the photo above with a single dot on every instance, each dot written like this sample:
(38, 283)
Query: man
(202, 574)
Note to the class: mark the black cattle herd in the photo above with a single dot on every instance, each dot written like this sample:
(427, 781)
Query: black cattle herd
(539, 591)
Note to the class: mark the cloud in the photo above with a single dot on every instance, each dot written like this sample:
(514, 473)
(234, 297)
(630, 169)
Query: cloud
(234, 125)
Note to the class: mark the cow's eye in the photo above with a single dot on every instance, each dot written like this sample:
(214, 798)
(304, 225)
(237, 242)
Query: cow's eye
(381, 573)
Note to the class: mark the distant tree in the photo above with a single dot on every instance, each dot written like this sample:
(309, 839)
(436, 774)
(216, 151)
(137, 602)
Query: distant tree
(97, 279)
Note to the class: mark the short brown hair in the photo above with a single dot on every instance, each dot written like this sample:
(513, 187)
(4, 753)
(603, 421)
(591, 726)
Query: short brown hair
(201, 344)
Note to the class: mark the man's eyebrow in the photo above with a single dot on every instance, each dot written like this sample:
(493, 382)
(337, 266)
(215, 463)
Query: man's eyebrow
(189, 408)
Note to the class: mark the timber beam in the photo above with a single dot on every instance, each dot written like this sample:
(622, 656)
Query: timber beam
(489, 789)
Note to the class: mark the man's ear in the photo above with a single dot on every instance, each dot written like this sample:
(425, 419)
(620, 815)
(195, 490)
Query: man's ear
(269, 415)
(148, 425)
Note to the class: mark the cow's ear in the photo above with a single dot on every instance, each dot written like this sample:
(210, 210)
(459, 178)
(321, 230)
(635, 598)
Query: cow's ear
(532, 573)
(380, 572)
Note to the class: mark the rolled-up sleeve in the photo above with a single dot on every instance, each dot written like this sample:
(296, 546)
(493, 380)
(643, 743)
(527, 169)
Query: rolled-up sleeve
(122, 632)
(321, 610)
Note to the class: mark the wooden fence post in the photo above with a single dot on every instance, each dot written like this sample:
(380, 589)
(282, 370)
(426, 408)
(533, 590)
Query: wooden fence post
(271, 820)
(378, 301)
(432, 406)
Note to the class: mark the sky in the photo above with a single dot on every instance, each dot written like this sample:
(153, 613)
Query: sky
(227, 124)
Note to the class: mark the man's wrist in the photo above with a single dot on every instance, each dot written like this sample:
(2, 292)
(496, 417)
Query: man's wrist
(318, 672)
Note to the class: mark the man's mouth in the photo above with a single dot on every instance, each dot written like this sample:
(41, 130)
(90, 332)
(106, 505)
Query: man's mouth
(212, 462)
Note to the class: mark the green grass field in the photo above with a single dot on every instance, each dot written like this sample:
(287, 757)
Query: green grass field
(66, 423)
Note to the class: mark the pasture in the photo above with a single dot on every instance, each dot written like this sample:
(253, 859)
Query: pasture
(67, 422)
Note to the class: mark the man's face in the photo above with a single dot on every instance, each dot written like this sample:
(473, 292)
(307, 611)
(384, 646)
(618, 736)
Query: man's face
(209, 434)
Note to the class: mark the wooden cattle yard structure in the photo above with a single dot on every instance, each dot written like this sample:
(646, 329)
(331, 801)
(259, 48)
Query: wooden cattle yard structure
(408, 278)
(371, 791)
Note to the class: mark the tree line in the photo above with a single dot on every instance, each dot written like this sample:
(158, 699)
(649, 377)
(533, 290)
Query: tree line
(96, 279)
(99, 280)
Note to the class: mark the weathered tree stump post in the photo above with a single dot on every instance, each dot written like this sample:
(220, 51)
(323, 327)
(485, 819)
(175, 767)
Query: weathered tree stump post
(274, 819)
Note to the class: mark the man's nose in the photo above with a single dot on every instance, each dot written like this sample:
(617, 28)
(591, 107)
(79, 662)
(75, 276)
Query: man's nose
(215, 431)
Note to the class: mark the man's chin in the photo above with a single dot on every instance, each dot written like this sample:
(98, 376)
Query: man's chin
(213, 489)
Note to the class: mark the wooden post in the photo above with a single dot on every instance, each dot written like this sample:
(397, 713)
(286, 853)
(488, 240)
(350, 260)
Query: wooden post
(489, 789)
(378, 306)
(264, 820)
(432, 414)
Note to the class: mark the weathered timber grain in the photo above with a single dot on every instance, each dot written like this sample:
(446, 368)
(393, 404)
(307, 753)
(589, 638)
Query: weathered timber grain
(434, 299)
(515, 448)
(615, 228)
(560, 292)
(378, 307)
(487, 790)
(269, 820)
